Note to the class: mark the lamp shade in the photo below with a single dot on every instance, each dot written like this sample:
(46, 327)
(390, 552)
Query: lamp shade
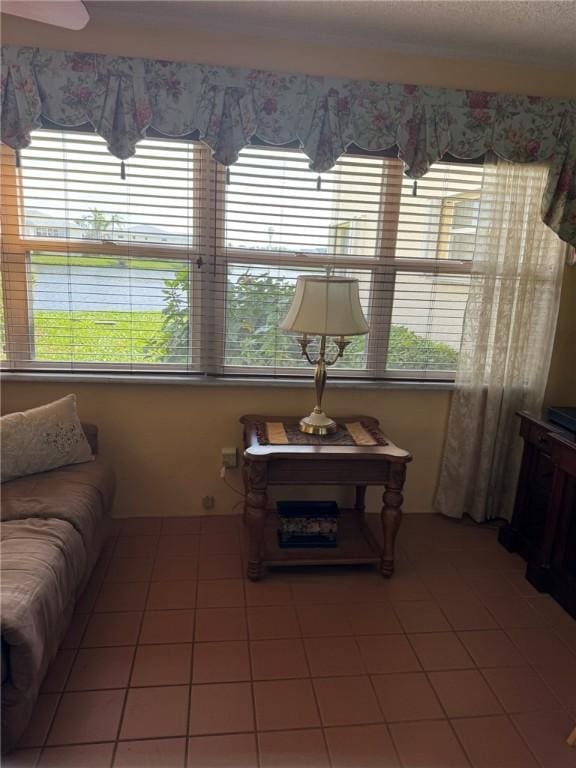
(326, 306)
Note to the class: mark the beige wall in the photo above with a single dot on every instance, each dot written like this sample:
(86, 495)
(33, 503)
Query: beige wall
(561, 388)
(172, 41)
(165, 439)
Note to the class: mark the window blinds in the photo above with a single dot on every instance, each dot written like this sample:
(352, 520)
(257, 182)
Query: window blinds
(408, 244)
(93, 261)
(186, 265)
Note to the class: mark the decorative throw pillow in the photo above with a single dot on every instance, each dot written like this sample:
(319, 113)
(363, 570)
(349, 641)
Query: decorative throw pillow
(42, 438)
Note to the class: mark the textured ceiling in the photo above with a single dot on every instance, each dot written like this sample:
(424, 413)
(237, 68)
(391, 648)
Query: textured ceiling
(533, 31)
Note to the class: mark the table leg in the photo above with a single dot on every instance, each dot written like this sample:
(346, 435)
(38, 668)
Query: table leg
(245, 481)
(360, 503)
(255, 516)
(391, 515)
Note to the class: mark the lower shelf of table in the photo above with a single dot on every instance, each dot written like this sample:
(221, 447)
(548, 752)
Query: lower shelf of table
(356, 545)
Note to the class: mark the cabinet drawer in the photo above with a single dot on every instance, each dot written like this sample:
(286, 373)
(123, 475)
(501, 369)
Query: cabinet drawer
(328, 472)
(538, 435)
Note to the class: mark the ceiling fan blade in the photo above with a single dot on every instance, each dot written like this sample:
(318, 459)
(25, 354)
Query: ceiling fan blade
(70, 14)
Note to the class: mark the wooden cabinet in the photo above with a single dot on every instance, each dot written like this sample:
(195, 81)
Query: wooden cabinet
(525, 533)
(543, 526)
(560, 542)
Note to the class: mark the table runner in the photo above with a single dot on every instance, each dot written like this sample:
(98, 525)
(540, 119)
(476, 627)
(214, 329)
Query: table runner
(349, 433)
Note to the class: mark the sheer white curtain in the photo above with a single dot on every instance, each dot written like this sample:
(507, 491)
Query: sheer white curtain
(507, 343)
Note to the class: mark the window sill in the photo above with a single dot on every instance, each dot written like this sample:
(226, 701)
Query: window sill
(215, 381)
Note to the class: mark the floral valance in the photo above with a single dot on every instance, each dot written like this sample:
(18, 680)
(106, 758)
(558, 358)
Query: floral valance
(226, 107)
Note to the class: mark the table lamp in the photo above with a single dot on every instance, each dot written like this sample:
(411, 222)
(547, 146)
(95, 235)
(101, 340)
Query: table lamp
(324, 306)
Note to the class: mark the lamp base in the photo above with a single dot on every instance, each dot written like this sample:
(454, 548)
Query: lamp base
(318, 424)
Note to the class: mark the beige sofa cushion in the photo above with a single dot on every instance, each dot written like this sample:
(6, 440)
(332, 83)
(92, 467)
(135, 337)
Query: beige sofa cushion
(43, 564)
(43, 438)
(80, 494)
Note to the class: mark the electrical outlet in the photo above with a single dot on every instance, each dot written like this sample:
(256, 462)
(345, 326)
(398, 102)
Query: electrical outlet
(230, 458)
(208, 502)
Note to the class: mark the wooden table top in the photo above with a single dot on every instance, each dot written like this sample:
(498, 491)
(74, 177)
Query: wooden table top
(258, 449)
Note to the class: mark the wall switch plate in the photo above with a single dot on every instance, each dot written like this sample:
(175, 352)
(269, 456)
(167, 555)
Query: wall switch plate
(229, 458)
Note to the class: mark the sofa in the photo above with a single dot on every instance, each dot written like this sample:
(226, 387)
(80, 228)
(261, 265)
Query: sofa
(53, 527)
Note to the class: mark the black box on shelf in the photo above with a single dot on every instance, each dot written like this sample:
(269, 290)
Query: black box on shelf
(308, 523)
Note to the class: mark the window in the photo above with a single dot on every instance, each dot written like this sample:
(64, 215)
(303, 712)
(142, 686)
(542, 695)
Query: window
(458, 225)
(343, 238)
(184, 265)
(92, 263)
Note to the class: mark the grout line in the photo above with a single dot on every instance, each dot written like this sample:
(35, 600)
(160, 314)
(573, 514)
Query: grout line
(314, 692)
(311, 676)
(372, 686)
(116, 743)
(534, 668)
(79, 744)
(127, 688)
(60, 694)
(445, 711)
(43, 745)
(287, 730)
(528, 747)
(483, 670)
(244, 562)
(550, 627)
(192, 657)
(130, 687)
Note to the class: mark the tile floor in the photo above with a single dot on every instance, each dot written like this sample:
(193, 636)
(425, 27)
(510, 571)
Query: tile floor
(173, 660)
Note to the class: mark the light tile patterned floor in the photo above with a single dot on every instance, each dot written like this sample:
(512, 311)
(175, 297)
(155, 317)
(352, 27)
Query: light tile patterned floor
(173, 660)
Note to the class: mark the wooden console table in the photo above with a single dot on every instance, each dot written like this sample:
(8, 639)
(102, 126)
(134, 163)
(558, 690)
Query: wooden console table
(331, 460)
(543, 526)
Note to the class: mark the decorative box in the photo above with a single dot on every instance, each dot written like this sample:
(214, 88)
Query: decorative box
(308, 523)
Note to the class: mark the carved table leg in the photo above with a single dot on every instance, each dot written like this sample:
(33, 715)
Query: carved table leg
(359, 503)
(246, 489)
(255, 516)
(391, 515)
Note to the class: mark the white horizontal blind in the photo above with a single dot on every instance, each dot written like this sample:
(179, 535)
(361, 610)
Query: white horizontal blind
(184, 264)
(409, 245)
(93, 262)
